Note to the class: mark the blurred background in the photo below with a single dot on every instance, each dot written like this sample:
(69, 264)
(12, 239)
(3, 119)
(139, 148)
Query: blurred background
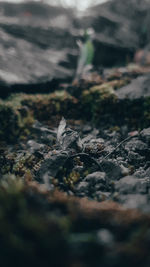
(41, 41)
(81, 5)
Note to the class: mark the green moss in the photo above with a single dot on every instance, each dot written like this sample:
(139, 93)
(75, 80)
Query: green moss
(99, 101)
(25, 165)
(15, 118)
(98, 104)
(71, 179)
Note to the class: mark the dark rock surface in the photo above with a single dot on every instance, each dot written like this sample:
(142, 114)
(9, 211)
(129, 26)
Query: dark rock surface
(37, 45)
(121, 27)
(137, 89)
(38, 42)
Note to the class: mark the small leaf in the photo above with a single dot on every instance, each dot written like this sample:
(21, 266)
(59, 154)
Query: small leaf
(61, 129)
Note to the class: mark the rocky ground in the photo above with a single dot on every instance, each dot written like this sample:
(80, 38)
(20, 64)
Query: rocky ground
(74, 156)
(75, 173)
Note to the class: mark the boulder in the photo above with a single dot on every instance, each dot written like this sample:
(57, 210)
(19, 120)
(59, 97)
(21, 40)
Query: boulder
(121, 27)
(137, 89)
(37, 45)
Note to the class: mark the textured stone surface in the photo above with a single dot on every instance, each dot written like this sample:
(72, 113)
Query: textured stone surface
(37, 42)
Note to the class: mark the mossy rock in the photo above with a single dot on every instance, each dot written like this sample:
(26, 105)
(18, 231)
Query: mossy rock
(99, 104)
(99, 101)
(15, 119)
(50, 108)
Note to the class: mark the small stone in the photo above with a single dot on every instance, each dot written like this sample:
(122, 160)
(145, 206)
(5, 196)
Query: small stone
(92, 183)
(105, 237)
(112, 169)
(82, 187)
(96, 177)
(135, 201)
(131, 184)
(34, 146)
(86, 129)
(140, 173)
(102, 196)
(135, 145)
(135, 158)
(145, 135)
(147, 173)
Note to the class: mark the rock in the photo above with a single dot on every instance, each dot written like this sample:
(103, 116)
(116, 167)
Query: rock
(145, 135)
(136, 145)
(34, 146)
(83, 188)
(137, 151)
(131, 184)
(113, 170)
(121, 27)
(52, 164)
(135, 201)
(137, 89)
(147, 174)
(91, 184)
(86, 129)
(93, 145)
(105, 237)
(140, 173)
(101, 195)
(142, 56)
(37, 42)
(135, 158)
(45, 135)
(96, 178)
